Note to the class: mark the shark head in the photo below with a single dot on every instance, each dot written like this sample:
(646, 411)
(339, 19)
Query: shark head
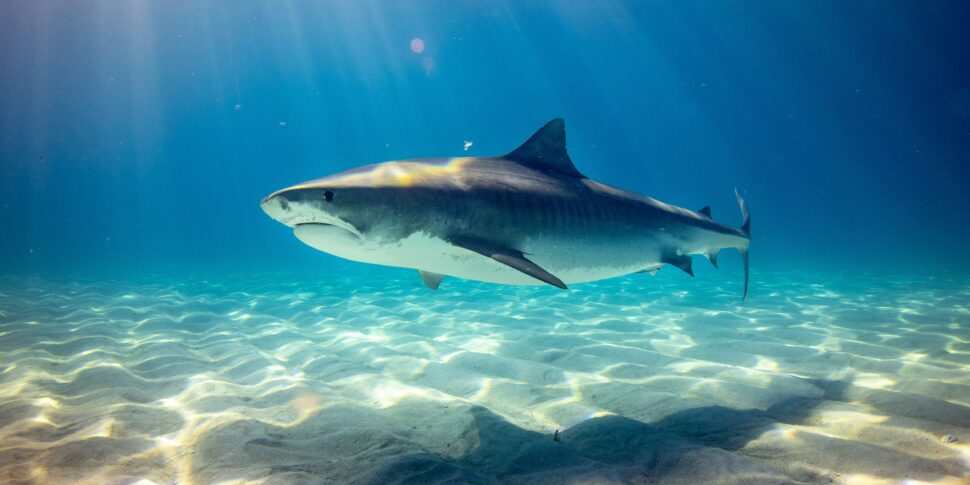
(326, 214)
(305, 204)
(361, 209)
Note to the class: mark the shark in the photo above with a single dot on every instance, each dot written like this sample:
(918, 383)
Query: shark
(528, 217)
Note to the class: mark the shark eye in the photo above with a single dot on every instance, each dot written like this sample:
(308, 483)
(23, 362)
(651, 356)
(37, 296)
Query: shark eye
(328, 196)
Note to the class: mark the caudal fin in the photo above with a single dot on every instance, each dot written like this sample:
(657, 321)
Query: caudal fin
(746, 229)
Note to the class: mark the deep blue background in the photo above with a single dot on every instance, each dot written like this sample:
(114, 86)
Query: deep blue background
(142, 135)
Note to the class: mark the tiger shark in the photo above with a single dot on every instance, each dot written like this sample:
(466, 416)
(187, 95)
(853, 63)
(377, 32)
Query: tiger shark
(525, 218)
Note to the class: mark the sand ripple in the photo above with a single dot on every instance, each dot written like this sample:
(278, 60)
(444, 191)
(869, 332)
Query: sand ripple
(289, 379)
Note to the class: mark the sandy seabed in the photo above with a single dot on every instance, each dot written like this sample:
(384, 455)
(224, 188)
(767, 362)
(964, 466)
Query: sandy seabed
(354, 379)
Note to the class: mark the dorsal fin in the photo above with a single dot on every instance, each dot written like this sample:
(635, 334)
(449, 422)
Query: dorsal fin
(705, 211)
(546, 150)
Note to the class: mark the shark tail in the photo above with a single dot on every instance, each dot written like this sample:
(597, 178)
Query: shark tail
(746, 229)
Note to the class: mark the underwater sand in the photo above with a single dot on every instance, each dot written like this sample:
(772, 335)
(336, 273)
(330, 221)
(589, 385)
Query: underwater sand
(368, 377)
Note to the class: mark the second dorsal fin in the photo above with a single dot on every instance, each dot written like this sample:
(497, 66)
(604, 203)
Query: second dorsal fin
(546, 150)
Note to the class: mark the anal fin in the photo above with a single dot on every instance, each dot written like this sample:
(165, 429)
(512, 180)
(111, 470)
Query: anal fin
(431, 280)
(510, 257)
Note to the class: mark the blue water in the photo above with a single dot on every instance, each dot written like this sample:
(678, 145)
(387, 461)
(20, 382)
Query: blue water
(156, 325)
(145, 134)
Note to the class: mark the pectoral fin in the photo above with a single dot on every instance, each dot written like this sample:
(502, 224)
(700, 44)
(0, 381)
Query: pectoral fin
(651, 271)
(510, 257)
(431, 280)
(681, 261)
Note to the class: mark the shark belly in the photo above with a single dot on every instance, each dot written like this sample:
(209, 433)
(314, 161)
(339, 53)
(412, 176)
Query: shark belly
(571, 261)
(583, 260)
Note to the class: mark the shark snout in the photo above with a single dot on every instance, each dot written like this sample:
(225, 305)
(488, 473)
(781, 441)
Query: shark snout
(275, 206)
(295, 207)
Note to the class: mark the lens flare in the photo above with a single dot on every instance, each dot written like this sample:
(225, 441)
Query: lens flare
(417, 45)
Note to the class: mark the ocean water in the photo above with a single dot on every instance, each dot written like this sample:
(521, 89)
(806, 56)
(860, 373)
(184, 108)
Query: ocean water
(157, 327)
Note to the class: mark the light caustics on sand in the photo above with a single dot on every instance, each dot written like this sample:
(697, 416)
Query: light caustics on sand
(244, 380)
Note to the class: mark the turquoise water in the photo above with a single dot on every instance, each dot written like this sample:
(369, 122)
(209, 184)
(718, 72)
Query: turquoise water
(157, 327)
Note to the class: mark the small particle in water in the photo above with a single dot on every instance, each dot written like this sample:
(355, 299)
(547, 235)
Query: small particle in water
(468, 144)
(282, 123)
(107, 239)
(40, 157)
(949, 438)
(237, 107)
(428, 64)
(30, 250)
(417, 45)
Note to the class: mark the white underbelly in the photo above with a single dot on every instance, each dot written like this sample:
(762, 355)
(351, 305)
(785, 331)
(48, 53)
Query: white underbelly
(426, 253)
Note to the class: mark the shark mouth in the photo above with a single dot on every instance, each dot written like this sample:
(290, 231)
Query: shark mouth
(333, 223)
(327, 237)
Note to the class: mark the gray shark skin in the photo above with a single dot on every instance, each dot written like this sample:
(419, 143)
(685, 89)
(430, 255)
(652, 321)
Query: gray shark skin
(525, 218)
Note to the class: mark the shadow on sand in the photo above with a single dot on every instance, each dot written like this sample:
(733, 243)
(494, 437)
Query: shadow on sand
(699, 445)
